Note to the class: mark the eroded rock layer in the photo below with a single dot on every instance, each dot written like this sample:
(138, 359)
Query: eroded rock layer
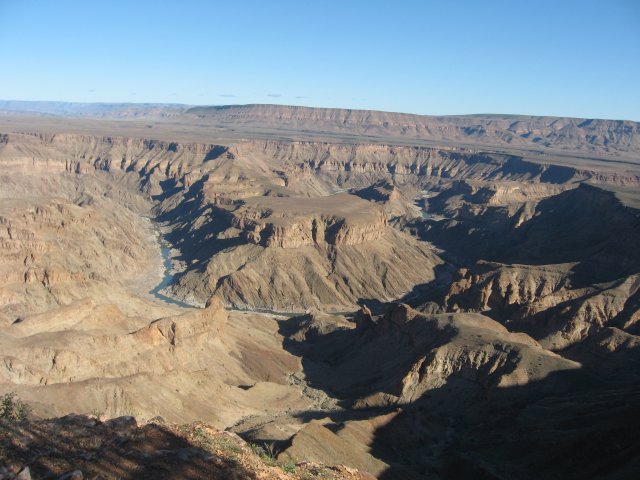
(497, 295)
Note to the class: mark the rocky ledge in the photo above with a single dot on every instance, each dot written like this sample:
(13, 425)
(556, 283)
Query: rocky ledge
(75, 447)
(291, 222)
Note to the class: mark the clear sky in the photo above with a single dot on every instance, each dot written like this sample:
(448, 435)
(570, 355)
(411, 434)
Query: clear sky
(562, 57)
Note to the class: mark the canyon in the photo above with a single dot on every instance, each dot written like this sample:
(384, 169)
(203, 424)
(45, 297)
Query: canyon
(409, 296)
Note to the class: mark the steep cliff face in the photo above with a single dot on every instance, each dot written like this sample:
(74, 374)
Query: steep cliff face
(290, 222)
(249, 195)
(361, 163)
(53, 251)
(153, 160)
(285, 163)
(28, 233)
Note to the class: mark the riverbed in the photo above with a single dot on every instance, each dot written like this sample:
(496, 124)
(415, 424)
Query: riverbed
(167, 279)
(169, 274)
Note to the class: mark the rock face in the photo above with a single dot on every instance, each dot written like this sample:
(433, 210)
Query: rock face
(293, 222)
(154, 160)
(69, 244)
(209, 321)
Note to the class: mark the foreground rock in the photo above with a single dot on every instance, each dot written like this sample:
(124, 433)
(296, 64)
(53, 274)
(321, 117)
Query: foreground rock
(92, 358)
(77, 446)
(458, 396)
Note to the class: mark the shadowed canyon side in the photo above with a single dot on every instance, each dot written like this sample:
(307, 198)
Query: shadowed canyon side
(445, 310)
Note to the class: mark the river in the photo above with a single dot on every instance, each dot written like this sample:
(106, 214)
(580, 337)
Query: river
(167, 279)
(169, 275)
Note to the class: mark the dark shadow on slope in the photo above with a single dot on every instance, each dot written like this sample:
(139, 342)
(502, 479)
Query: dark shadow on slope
(557, 174)
(431, 291)
(586, 225)
(573, 424)
(215, 152)
(567, 426)
(169, 188)
(586, 234)
(196, 227)
(424, 296)
(51, 448)
(349, 363)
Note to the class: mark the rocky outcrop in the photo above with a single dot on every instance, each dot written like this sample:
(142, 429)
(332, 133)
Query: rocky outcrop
(74, 447)
(317, 443)
(494, 287)
(333, 277)
(508, 359)
(181, 330)
(291, 222)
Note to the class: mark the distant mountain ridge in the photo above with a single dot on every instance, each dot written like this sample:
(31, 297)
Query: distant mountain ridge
(617, 139)
(91, 110)
(210, 109)
(585, 136)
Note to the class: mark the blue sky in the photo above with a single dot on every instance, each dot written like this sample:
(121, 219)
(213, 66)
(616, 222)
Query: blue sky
(566, 58)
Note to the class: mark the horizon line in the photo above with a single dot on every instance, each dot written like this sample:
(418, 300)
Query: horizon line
(229, 105)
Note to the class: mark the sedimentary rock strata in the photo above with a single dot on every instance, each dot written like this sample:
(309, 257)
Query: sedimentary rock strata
(497, 289)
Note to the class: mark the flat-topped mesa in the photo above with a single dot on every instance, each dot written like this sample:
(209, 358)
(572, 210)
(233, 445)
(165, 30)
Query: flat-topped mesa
(291, 222)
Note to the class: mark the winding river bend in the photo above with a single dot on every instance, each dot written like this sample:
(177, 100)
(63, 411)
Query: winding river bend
(167, 279)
